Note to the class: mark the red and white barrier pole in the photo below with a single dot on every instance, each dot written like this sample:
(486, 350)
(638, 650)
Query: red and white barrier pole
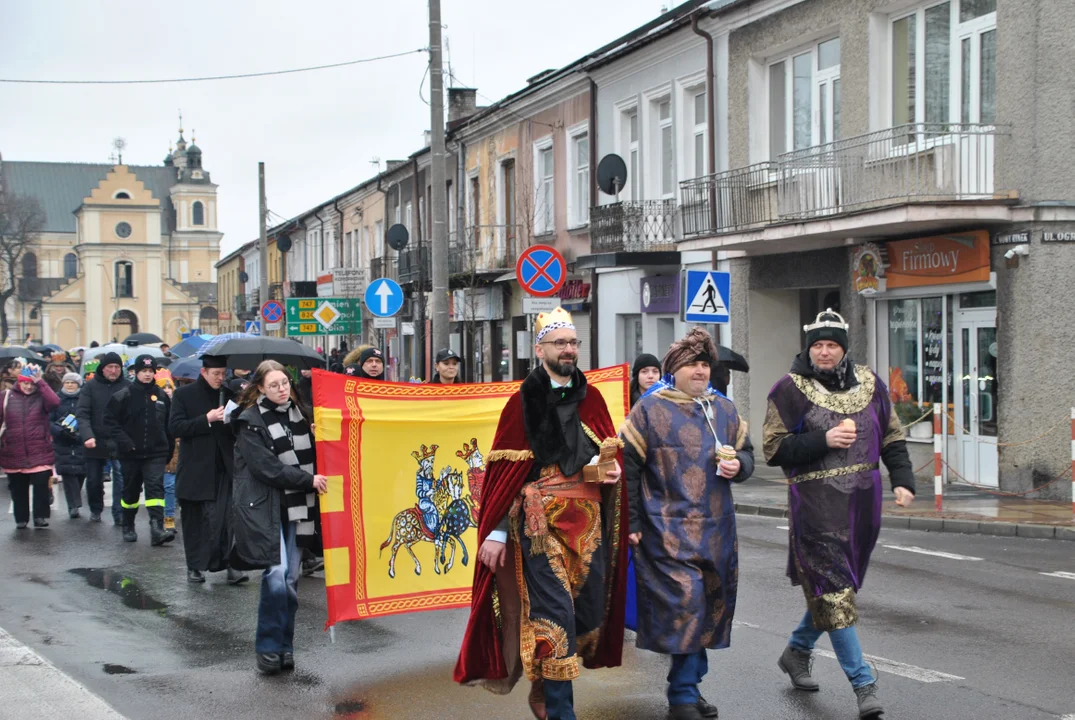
(1073, 461)
(938, 490)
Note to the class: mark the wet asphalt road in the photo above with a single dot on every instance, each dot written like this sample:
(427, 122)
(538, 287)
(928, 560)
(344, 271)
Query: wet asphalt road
(991, 638)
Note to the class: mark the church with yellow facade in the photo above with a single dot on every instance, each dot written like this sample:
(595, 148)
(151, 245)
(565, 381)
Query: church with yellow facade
(124, 249)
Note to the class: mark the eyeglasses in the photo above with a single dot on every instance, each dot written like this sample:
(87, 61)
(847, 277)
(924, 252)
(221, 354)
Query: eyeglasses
(279, 385)
(563, 344)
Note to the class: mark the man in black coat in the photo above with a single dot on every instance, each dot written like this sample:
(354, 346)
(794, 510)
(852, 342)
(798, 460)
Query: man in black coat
(206, 467)
(92, 402)
(137, 422)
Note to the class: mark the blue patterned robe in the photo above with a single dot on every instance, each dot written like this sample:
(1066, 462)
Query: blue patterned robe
(687, 565)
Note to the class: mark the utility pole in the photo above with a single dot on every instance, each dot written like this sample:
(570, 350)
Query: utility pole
(439, 241)
(263, 243)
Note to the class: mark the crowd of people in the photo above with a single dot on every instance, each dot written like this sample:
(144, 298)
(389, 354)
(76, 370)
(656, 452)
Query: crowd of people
(569, 499)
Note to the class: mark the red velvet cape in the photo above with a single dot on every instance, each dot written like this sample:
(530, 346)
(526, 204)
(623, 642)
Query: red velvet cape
(481, 656)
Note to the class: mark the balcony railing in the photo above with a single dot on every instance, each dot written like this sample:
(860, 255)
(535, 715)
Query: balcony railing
(633, 226)
(915, 163)
(414, 264)
(378, 268)
(482, 248)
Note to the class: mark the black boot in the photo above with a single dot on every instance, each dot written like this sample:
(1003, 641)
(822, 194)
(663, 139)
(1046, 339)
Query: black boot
(157, 536)
(129, 535)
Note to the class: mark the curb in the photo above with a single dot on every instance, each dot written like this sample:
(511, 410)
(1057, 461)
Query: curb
(932, 524)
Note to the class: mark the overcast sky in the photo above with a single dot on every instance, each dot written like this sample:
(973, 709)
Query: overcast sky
(317, 132)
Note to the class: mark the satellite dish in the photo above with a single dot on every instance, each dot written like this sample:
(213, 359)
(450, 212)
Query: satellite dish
(283, 243)
(243, 277)
(398, 237)
(611, 174)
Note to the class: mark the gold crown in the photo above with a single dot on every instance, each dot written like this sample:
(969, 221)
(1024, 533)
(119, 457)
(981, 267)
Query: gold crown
(829, 318)
(559, 315)
(425, 453)
(468, 449)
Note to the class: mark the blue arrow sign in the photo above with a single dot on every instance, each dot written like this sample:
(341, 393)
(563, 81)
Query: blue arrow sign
(384, 297)
(707, 296)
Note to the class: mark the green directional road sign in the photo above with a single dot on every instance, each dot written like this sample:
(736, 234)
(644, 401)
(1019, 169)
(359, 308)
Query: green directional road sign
(324, 316)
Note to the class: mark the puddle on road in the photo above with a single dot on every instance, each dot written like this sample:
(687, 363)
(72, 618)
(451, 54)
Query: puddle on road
(111, 669)
(119, 584)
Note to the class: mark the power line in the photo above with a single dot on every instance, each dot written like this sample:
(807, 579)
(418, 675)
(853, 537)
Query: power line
(211, 77)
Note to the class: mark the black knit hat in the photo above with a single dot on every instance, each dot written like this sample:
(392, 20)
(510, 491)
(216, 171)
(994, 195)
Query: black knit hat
(145, 362)
(642, 362)
(353, 369)
(828, 325)
(109, 358)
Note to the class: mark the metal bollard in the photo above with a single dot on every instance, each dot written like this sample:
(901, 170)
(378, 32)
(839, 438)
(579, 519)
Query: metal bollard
(938, 489)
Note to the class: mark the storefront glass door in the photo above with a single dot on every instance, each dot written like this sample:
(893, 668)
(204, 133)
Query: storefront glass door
(976, 395)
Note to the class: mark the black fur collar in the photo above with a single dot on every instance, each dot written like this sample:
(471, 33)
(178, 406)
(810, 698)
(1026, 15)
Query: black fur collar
(540, 420)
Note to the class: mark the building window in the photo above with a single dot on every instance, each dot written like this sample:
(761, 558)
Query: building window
(122, 195)
(701, 116)
(579, 180)
(544, 195)
(915, 354)
(378, 239)
(634, 179)
(939, 43)
(408, 217)
(475, 201)
(124, 279)
(70, 265)
(666, 148)
(198, 213)
(29, 265)
(798, 85)
(507, 170)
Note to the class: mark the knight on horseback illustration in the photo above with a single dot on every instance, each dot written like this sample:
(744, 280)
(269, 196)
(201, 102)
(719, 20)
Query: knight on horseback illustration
(442, 514)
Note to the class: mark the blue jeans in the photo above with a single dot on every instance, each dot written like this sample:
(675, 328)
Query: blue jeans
(845, 643)
(559, 699)
(169, 495)
(280, 597)
(687, 671)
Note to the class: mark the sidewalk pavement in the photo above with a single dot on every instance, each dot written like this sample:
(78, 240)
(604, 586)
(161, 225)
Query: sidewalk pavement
(965, 510)
(31, 686)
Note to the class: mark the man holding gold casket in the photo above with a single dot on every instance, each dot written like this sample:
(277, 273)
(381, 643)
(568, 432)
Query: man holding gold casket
(549, 590)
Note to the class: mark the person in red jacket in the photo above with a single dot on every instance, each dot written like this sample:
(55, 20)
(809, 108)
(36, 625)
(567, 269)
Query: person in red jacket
(26, 453)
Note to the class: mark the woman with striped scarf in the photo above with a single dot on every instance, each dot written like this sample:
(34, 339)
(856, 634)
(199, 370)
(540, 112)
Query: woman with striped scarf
(274, 504)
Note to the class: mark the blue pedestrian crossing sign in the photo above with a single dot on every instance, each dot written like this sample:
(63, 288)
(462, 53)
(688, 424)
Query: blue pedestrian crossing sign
(253, 327)
(384, 297)
(707, 296)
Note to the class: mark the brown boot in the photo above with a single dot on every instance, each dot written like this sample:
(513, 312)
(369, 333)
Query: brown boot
(537, 700)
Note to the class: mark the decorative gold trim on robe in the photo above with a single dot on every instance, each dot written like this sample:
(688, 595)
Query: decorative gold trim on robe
(509, 455)
(846, 402)
(834, 472)
(832, 611)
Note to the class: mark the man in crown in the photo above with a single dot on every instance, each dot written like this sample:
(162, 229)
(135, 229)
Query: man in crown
(425, 485)
(829, 424)
(549, 589)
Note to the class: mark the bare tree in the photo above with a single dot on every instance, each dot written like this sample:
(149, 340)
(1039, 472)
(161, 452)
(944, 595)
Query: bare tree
(21, 223)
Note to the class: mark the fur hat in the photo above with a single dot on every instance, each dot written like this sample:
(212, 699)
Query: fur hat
(73, 377)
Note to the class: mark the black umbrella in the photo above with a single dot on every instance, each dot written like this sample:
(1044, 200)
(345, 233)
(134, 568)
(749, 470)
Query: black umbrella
(142, 339)
(732, 360)
(15, 351)
(246, 353)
